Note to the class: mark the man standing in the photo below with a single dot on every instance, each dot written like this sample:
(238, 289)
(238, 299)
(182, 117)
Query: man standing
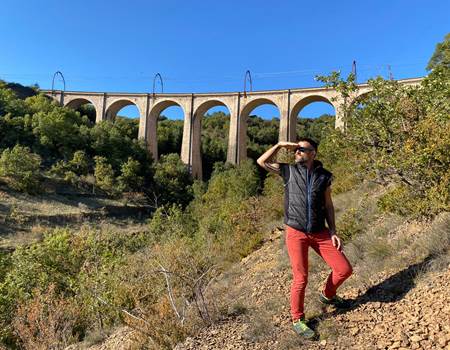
(307, 205)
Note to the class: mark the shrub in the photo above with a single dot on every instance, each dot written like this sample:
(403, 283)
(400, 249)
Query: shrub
(79, 163)
(21, 168)
(104, 175)
(59, 131)
(46, 321)
(172, 180)
(131, 178)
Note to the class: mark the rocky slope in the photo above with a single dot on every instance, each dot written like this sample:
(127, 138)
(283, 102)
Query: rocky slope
(402, 304)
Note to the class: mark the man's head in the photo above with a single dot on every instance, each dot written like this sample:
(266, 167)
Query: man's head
(306, 150)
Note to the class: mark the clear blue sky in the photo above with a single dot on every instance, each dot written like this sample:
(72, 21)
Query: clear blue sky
(201, 46)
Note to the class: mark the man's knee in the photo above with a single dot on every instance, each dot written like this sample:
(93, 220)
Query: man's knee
(345, 272)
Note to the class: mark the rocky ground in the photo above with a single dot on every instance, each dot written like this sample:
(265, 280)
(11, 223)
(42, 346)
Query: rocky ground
(405, 305)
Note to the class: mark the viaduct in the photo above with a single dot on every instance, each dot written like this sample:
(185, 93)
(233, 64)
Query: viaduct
(195, 105)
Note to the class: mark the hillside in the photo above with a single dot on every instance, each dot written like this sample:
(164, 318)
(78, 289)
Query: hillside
(402, 307)
(25, 217)
(399, 293)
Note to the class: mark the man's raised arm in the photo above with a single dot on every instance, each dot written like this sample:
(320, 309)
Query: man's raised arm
(267, 160)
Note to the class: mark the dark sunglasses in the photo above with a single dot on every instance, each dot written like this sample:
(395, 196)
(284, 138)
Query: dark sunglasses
(304, 149)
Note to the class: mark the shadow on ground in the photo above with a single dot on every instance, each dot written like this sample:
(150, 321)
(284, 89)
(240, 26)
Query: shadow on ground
(391, 289)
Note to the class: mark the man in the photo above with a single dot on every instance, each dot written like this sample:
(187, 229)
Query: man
(307, 205)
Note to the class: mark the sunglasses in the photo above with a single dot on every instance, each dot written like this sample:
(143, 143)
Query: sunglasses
(304, 149)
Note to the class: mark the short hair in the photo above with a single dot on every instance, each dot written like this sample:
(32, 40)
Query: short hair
(310, 141)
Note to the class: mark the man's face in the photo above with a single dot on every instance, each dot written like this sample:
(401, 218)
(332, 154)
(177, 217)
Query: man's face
(305, 152)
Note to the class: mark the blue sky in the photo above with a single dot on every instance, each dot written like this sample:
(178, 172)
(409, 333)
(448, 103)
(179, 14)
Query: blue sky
(200, 46)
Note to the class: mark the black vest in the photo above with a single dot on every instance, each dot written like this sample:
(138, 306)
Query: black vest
(304, 199)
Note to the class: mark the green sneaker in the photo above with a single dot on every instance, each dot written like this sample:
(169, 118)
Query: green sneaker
(302, 329)
(336, 301)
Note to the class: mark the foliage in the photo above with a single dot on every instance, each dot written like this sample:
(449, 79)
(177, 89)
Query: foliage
(441, 55)
(117, 141)
(72, 270)
(400, 135)
(214, 141)
(104, 175)
(60, 131)
(46, 322)
(131, 178)
(173, 181)
(79, 163)
(21, 168)
(170, 134)
(317, 129)
(171, 221)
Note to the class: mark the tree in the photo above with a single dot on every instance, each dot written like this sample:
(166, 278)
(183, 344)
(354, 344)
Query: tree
(441, 55)
(59, 131)
(104, 175)
(131, 178)
(399, 136)
(21, 168)
(173, 183)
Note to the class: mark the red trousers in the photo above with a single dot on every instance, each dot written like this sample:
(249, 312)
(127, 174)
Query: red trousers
(297, 244)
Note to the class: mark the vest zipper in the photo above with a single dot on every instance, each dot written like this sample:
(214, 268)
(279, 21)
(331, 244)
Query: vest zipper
(308, 190)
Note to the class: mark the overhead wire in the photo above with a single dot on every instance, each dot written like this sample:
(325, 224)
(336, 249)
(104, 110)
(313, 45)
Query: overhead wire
(368, 69)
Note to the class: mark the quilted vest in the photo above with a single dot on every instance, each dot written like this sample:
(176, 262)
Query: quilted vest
(304, 198)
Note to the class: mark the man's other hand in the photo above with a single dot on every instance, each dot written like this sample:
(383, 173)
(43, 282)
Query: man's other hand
(336, 242)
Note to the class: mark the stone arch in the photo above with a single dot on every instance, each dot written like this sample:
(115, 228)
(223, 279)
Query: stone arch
(157, 108)
(359, 98)
(151, 125)
(207, 105)
(251, 105)
(242, 137)
(116, 106)
(198, 166)
(299, 105)
(296, 109)
(80, 101)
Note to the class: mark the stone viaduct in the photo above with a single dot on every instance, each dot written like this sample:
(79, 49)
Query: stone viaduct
(195, 105)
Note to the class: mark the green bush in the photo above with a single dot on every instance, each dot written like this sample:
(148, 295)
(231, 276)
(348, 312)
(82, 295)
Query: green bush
(131, 178)
(79, 163)
(21, 168)
(173, 183)
(104, 175)
(81, 267)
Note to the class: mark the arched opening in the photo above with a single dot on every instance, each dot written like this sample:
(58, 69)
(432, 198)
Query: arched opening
(314, 117)
(123, 108)
(126, 114)
(213, 120)
(360, 101)
(261, 119)
(85, 107)
(164, 130)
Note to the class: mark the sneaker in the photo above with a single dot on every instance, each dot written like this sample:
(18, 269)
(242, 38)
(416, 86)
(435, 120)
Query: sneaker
(336, 301)
(302, 329)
